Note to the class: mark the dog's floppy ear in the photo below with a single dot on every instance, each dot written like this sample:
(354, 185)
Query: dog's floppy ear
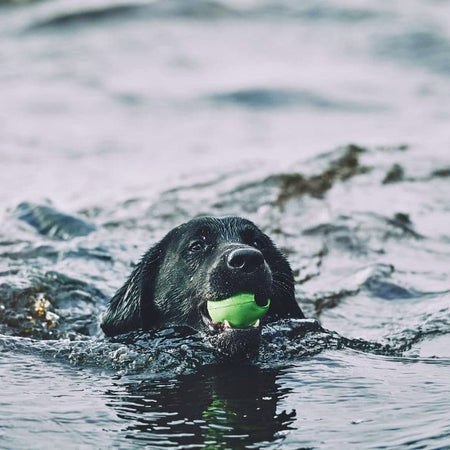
(284, 303)
(132, 306)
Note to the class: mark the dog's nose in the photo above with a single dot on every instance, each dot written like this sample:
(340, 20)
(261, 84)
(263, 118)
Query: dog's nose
(245, 259)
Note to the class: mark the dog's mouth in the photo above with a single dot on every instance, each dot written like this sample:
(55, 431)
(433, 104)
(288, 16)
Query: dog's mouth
(236, 332)
(218, 327)
(215, 327)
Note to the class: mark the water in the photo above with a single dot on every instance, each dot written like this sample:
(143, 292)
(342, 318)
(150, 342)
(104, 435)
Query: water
(136, 116)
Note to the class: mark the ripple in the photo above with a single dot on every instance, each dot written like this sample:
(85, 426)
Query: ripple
(50, 222)
(265, 98)
(427, 48)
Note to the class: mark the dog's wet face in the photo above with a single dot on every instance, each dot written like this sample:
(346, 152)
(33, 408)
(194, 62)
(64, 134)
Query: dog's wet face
(206, 259)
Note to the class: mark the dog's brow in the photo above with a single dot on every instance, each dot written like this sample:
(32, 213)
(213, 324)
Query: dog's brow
(232, 231)
(246, 231)
(203, 232)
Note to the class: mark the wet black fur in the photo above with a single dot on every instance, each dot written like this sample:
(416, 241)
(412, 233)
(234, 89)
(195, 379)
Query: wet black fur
(186, 268)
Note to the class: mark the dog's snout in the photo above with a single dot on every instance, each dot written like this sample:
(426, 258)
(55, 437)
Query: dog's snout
(245, 259)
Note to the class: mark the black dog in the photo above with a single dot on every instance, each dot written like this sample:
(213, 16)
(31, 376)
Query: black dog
(205, 259)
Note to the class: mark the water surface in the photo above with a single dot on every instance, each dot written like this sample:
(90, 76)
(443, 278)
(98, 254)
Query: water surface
(324, 122)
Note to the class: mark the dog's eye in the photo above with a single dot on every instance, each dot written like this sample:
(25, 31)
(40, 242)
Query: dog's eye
(197, 246)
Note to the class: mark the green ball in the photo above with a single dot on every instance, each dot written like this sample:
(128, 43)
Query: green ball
(240, 311)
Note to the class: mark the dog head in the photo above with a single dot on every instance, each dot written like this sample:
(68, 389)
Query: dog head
(205, 259)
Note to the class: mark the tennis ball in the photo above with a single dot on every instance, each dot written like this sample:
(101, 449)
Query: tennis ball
(240, 311)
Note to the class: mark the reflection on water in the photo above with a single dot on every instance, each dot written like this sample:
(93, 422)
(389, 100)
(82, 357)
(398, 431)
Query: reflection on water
(219, 406)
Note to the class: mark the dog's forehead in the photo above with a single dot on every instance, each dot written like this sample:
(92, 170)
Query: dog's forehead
(224, 227)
